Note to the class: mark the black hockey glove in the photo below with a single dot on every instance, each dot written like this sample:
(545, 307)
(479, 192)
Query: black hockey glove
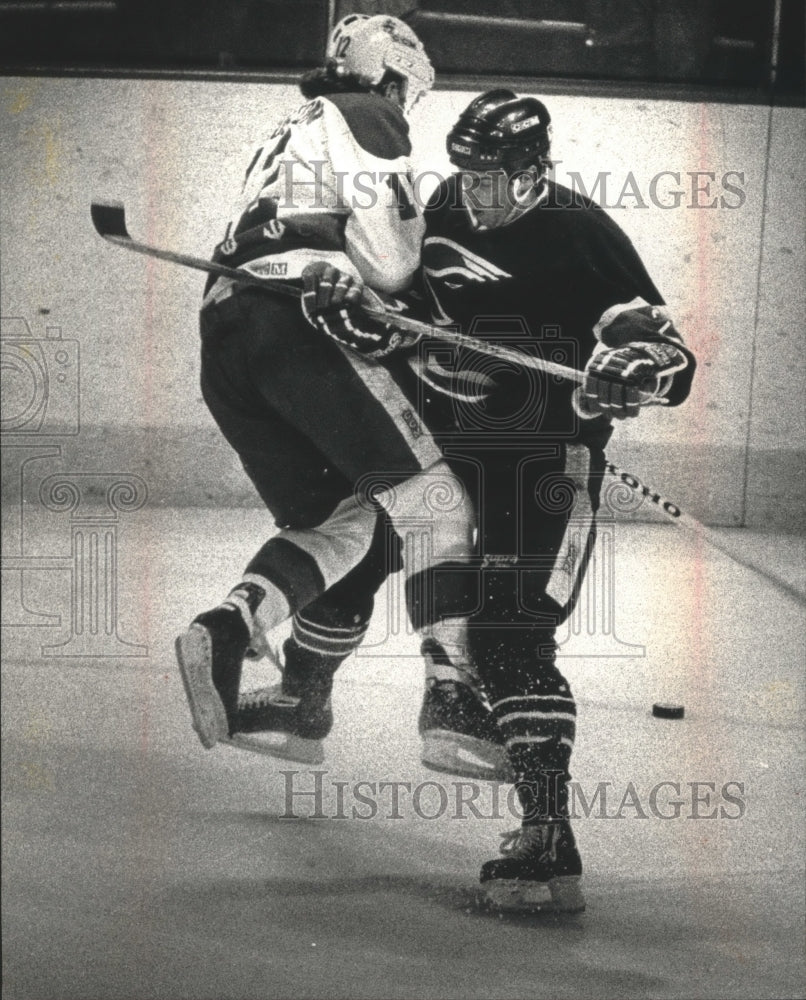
(620, 380)
(330, 303)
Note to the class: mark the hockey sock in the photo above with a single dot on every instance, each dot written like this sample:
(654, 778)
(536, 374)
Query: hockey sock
(316, 649)
(296, 566)
(281, 578)
(535, 711)
(538, 731)
(329, 629)
(258, 603)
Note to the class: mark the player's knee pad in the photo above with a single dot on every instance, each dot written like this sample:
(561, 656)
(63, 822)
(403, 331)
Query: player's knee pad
(338, 544)
(433, 515)
(363, 581)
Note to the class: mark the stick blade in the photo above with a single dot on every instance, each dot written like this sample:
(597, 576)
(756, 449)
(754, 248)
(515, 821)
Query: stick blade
(109, 219)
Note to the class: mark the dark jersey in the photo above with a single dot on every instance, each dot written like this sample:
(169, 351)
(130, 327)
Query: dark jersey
(546, 284)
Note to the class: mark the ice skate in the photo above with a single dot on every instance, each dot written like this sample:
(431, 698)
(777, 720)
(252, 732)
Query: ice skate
(459, 735)
(540, 870)
(210, 656)
(272, 721)
(291, 719)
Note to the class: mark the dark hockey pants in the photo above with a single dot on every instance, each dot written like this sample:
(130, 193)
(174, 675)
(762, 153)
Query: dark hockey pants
(325, 437)
(536, 531)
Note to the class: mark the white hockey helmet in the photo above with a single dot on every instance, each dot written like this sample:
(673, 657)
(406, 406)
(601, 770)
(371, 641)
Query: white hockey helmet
(367, 47)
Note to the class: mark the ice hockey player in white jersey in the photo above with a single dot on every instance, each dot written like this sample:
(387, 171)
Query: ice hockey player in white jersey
(335, 176)
(309, 420)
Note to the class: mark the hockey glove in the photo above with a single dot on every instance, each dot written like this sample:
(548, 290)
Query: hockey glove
(620, 380)
(330, 303)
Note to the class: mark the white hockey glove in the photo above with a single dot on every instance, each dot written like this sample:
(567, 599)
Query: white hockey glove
(331, 303)
(620, 380)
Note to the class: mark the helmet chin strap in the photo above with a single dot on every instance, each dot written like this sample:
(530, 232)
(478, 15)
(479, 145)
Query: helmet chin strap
(471, 214)
(474, 219)
(521, 201)
(525, 200)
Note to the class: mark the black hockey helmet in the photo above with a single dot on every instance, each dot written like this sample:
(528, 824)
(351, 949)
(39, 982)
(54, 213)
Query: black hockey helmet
(500, 130)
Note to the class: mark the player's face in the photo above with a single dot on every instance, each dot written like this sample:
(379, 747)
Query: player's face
(397, 93)
(486, 196)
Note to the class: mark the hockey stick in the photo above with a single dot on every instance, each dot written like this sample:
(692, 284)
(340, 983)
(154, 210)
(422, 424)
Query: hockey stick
(696, 528)
(109, 219)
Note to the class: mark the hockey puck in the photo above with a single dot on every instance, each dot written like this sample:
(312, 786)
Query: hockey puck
(661, 711)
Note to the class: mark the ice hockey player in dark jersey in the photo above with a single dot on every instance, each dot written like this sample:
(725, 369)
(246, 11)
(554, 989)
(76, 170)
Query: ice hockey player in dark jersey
(309, 419)
(511, 256)
(508, 251)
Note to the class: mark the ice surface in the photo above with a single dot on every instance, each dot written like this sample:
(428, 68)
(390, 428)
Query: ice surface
(138, 865)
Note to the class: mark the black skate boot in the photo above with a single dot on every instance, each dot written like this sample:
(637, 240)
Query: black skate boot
(210, 656)
(291, 719)
(541, 870)
(457, 731)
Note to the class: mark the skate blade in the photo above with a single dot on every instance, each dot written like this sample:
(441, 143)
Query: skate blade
(559, 895)
(286, 746)
(194, 655)
(465, 756)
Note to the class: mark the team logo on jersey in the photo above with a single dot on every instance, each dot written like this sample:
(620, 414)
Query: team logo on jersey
(273, 229)
(228, 247)
(450, 265)
(445, 259)
(308, 113)
(466, 385)
(304, 114)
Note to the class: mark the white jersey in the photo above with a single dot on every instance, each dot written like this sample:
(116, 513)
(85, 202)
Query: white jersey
(334, 182)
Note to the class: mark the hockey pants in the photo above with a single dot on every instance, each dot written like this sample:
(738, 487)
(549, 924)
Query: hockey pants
(329, 441)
